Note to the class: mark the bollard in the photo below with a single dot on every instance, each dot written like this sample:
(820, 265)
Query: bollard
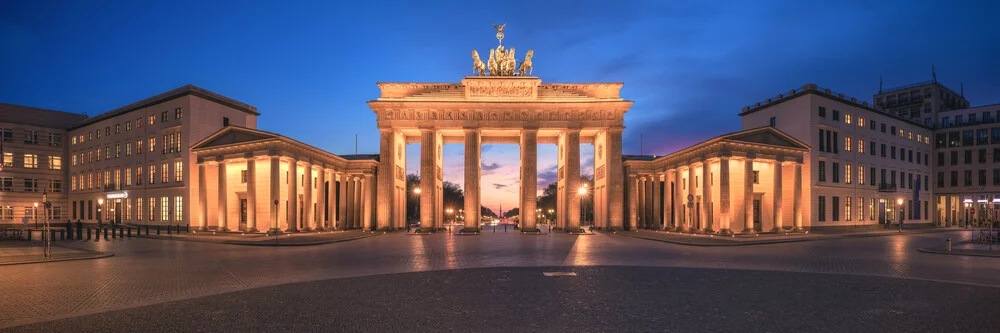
(178, 229)
(62, 235)
(129, 232)
(106, 234)
(169, 230)
(121, 232)
(79, 231)
(88, 233)
(52, 234)
(948, 244)
(157, 230)
(114, 233)
(147, 230)
(69, 233)
(29, 235)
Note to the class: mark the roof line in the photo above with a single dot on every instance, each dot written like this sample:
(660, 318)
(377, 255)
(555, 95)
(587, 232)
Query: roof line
(170, 95)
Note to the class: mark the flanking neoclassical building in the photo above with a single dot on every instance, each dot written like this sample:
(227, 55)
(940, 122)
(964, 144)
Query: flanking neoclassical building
(744, 182)
(252, 180)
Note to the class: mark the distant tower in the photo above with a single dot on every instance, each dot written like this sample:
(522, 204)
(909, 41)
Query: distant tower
(933, 74)
(961, 88)
(880, 84)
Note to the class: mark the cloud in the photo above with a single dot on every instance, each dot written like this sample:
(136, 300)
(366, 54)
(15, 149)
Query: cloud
(499, 186)
(547, 176)
(490, 167)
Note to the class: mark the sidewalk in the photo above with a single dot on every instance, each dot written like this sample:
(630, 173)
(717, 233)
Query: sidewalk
(966, 248)
(765, 238)
(260, 239)
(24, 252)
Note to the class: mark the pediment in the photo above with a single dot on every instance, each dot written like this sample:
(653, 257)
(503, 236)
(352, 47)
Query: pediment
(766, 136)
(233, 135)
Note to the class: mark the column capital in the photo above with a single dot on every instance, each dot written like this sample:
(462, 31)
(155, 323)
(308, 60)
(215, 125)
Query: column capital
(472, 130)
(529, 130)
(572, 130)
(616, 129)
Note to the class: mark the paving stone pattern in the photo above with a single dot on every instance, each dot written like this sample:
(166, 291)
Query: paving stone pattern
(153, 271)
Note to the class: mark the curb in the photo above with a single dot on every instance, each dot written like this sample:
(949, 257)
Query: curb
(779, 241)
(953, 253)
(266, 243)
(41, 261)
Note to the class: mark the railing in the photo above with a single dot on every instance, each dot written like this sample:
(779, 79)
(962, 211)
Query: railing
(883, 187)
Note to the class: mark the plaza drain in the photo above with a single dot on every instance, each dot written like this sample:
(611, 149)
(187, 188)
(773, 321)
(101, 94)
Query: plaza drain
(559, 274)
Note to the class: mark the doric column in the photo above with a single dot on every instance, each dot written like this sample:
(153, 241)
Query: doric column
(386, 188)
(342, 201)
(633, 202)
(776, 196)
(680, 217)
(615, 188)
(529, 178)
(251, 194)
(348, 207)
(321, 201)
(202, 196)
(724, 198)
(369, 200)
(667, 203)
(573, 179)
(307, 202)
(293, 195)
(797, 201)
(275, 197)
(643, 220)
(331, 199)
(359, 189)
(657, 202)
(748, 195)
(650, 202)
(706, 196)
(427, 177)
(693, 210)
(473, 144)
(223, 191)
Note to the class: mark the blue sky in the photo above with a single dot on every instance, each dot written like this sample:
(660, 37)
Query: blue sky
(310, 67)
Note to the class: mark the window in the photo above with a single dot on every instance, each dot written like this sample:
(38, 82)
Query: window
(982, 177)
(822, 208)
(847, 173)
(954, 157)
(847, 208)
(882, 128)
(138, 175)
(982, 155)
(107, 130)
(163, 116)
(152, 208)
(967, 181)
(152, 120)
(940, 179)
(138, 147)
(882, 149)
(756, 177)
(7, 134)
(836, 209)
(225, 121)
(836, 172)
(861, 146)
(55, 139)
(128, 126)
(31, 184)
(871, 148)
(836, 115)
(967, 138)
(996, 176)
(107, 152)
(55, 185)
(164, 172)
(117, 128)
(954, 179)
(822, 112)
(243, 176)
(847, 143)
(165, 203)
(996, 155)
(152, 144)
(968, 156)
(138, 209)
(861, 121)
(178, 208)
(835, 150)
(893, 150)
(861, 208)
(31, 137)
(995, 133)
(822, 171)
(178, 114)
(982, 136)
(847, 118)
(6, 184)
(138, 124)
(128, 208)
(773, 121)
(871, 125)
(128, 176)
(822, 137)
(872, 175)
(152, 174)
(118, 150)
(178, 171)
(128, 148)
(55, 163)
(861, 175)
(31, 161)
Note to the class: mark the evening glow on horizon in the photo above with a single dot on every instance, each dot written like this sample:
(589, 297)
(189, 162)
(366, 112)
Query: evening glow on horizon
(310, 69)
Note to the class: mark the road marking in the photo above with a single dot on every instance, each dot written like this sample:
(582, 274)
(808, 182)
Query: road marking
(559, 274)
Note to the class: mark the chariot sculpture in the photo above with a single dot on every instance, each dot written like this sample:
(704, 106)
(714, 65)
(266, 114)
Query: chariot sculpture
(502, 62)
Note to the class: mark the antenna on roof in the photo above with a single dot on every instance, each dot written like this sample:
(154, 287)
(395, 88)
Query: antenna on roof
(961, 87)
(880, 84)
(933, 74)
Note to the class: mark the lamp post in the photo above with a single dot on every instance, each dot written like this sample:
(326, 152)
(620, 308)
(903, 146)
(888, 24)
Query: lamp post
(899, 204)
(416, 192)
(583, 194)
(47, 247)
(34, 215)
(100, 202)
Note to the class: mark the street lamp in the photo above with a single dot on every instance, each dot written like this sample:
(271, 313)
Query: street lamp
(47, 247)
(100, 202)
(899, 203)
(968, 204)
(416, 192)
(34, 215)
(583, 193)
(449, 211)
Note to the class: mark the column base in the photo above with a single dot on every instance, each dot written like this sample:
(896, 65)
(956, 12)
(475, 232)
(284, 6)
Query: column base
(531, 231)
(273, 231)
(797, 229)
(252, 230)
(574, 230)
(708, 230)
(469, 231)
(777, 229)
(749, 232)
(427, 231)
(725, 232)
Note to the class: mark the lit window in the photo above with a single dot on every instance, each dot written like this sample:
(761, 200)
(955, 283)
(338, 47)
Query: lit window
(847, 174)
(847, 208)
(178, 208)
(128, 148)
(861, 146)
(138, 209)
(178, 171)
(55, 163)
(128, 176)
(243, 176)
(861, 174)
(138, 147)
(152, 144)
(847, 143)
(30, 161)
(8, 160)
(909, 136)
(847, 118)
(152, 208)
(152, 174)
(165, 208)
(861, 121)
(165, 172)
(138, 175)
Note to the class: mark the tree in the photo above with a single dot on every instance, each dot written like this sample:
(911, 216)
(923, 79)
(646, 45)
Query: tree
(487, 212)
(453, 197)
(512, 212)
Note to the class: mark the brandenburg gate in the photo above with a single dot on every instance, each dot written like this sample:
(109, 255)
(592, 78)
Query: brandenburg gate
(506, 106)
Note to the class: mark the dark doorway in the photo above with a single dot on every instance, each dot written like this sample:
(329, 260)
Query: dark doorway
(881, 211)
(756, 215)
(118, 211)
(243, 214)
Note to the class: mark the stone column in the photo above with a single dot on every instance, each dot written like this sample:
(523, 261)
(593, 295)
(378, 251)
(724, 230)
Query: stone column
(529, 179)
(223, 191)
(650, 202)
(657, 202)
(367, 197)
(748, 195)
(251, 194)
(643, 220)
(321, 201)
(473, 145)
(274, 181)
(797, 201)
(706, 196)
(633, 202)
(293, 195)
(307, 202)
(359, 190)
(387, 173)
(776, 196)
(348, 207)
(724, 198)
(427, 179)
(667, 203)
(202, 196)
(615, 188)
(680, 217)
(692, 225)
(573, 179)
